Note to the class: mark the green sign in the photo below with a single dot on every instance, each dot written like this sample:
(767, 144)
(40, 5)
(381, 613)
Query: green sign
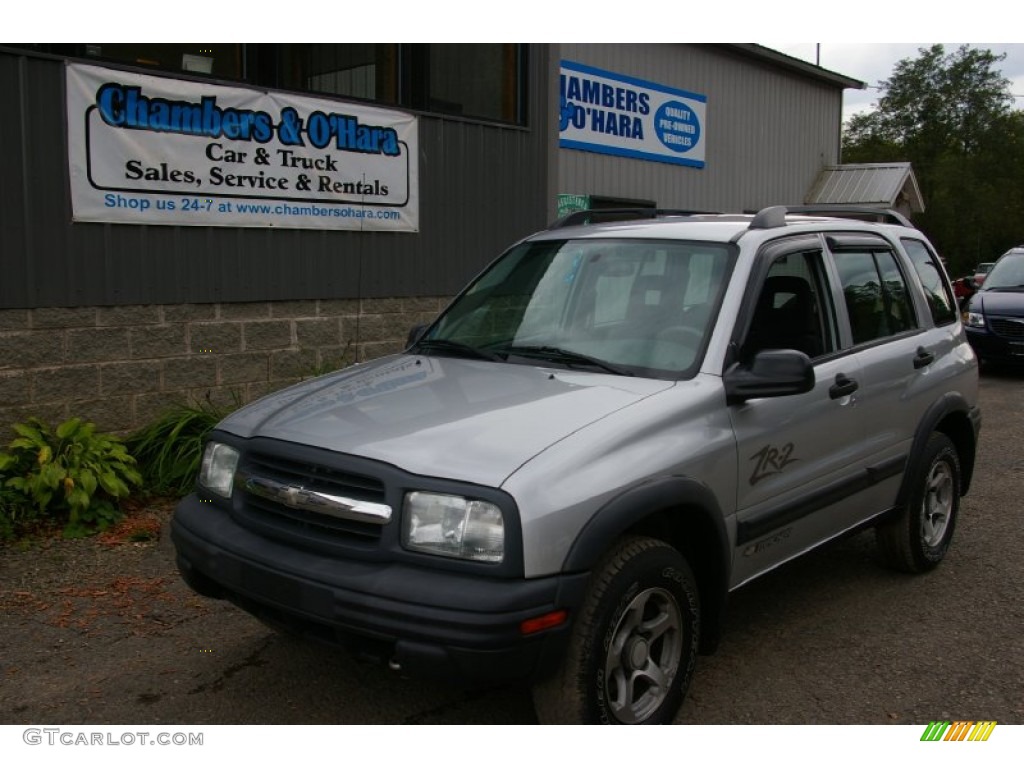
(570, 203)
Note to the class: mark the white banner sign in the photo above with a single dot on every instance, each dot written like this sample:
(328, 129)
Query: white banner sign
(620, 115)
(153, 150)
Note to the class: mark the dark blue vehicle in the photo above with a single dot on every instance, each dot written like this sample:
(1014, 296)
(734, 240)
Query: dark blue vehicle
(995, 314)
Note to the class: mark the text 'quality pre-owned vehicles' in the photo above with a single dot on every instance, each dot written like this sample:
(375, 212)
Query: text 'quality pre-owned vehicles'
(611, 428)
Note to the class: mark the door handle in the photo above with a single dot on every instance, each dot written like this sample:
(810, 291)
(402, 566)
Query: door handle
(923, 358)
(844, 386)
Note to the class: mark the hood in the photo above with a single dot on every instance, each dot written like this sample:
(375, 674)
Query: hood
(999, 302)
(468, 420)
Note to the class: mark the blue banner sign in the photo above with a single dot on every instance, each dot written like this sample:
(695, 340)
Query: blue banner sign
(614, 114)
(145, 149)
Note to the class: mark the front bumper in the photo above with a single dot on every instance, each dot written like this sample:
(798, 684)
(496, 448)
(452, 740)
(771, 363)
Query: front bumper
(460, 626)
(990, 346)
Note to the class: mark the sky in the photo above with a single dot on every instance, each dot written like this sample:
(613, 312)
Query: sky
(873, 62)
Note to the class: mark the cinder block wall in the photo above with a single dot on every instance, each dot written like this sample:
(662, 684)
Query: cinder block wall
(122, 366)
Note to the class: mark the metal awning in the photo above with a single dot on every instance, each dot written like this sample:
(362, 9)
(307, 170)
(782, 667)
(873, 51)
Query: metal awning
(889, 185)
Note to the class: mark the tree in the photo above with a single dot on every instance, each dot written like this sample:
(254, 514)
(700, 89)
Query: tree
(951, 116)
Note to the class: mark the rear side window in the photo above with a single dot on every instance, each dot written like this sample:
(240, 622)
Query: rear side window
(933, 280)
(876, 294)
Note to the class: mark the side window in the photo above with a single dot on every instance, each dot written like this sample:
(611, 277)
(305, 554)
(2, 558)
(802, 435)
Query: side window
(876, 294)
(794, 309)
(933, 280)
(899, 310)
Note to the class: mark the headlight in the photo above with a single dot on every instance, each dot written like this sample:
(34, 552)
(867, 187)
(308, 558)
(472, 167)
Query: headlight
(453, 526)
(218, 471)
(975, 320)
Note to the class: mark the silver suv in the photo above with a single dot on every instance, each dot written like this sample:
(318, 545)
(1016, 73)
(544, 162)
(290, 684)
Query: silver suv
(610, 429)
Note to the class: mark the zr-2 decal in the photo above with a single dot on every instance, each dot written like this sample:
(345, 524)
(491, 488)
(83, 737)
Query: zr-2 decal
(771, 461)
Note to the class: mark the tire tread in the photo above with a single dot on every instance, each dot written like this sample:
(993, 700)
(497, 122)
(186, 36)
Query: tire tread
(898, 539)
(561, 699)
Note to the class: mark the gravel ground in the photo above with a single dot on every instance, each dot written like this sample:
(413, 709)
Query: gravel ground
(103, 631)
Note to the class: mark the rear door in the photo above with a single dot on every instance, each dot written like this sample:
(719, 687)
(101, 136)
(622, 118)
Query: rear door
(903, 337)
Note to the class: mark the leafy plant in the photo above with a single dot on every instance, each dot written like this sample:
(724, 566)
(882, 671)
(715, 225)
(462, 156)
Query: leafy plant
(70, 470)
(169, 449)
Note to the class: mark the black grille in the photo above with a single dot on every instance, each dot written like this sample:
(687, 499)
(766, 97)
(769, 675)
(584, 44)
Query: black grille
(1011, 329)
(301, 526)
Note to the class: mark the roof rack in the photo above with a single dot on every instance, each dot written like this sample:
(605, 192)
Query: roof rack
(859, 212)
(769, 218)
(598, 215)
(766, 218)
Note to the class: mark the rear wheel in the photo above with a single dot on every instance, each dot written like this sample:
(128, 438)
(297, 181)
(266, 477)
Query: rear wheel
(919, 537)
(634, 644)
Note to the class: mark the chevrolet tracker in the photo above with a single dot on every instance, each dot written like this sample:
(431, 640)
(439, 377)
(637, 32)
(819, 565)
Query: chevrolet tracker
(614, 426)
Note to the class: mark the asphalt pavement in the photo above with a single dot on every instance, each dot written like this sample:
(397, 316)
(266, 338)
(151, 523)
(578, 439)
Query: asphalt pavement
(834, 637)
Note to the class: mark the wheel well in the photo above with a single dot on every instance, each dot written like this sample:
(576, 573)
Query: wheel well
(958, 428)
(690, 531)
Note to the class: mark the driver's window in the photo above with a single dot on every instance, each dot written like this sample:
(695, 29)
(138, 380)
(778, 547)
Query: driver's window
(794, 309)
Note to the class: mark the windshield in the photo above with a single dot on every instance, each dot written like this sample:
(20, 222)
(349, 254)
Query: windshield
(1007, 273)
(637, 307)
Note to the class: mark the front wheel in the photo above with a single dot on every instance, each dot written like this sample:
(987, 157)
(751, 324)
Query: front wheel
(919, 537)
(634, 644)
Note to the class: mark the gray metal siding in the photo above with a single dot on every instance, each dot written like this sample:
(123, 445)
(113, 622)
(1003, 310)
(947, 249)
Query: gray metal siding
(769, 131)
(482, 186)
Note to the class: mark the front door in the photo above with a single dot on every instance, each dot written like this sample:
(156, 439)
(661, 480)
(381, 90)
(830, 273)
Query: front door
(802, 459)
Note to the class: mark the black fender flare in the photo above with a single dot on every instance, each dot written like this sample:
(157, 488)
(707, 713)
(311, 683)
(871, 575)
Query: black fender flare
(643, 501)
(949, 403)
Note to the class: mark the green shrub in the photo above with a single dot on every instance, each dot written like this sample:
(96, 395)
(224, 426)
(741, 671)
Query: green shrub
(169, 449)
(71, 475)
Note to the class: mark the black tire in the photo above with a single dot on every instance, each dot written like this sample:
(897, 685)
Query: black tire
(633, 646)
(918, 538)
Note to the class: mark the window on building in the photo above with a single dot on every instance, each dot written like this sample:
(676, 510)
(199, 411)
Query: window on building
(222, 60)
(475, 80)
(366, 71)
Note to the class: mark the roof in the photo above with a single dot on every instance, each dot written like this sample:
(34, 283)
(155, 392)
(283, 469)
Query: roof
(892, 185)
(794, 65)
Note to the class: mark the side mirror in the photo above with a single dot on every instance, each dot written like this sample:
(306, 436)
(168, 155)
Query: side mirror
(771, 373)
(971, 283)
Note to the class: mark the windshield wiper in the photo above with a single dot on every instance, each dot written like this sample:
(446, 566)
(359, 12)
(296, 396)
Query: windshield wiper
(566, 356)
(454, 348)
